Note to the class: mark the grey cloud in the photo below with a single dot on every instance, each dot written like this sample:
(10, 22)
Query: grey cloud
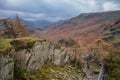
(54, 9)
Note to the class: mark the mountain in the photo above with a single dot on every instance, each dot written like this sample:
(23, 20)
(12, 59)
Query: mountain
(83, 28)
(37, 24)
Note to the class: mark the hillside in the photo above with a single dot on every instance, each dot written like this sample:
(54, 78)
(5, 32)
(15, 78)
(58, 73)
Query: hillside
(83, 28)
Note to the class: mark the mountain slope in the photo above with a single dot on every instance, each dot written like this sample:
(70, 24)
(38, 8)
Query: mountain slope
(83, 28)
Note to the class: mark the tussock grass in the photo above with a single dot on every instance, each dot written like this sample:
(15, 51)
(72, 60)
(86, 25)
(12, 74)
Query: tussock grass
(5, 45)
(18, 43)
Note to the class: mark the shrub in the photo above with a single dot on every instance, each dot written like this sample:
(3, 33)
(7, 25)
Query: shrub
(68, 43)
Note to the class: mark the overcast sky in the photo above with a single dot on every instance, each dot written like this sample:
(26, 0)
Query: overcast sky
(54, 10)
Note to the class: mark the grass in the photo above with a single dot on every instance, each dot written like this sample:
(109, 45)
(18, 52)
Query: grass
(18, 43)
(51, 71)
(25, 42)
(116, 39)
(5, 45)
(29, 39)
(113, 64)
(19, 73)
(48, 71)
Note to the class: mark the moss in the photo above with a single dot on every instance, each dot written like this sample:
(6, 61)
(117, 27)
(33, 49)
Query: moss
(21, 71)
(22, 44)
(116, 40)
(20, 74)
(25, 43)
(18, 43)
(5, 45)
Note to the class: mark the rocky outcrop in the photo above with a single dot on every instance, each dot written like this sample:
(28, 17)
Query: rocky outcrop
(32, 59)
(42, 52)
(6, 66)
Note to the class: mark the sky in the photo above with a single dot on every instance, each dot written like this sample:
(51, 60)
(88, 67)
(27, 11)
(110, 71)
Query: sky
(54, 10)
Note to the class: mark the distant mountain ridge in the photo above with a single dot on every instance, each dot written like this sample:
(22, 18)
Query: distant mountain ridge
(37, 24)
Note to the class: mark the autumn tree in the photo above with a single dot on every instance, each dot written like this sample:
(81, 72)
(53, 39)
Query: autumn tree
(13, 28)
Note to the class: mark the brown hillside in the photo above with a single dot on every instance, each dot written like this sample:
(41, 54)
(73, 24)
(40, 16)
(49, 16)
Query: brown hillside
(83, 28)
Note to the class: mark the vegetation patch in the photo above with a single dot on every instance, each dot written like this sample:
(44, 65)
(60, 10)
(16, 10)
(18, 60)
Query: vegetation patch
(51, 71)
(18, 43)
(20, 73)
(5, 45)
(116, 40)
(25, 42)
(113, 66)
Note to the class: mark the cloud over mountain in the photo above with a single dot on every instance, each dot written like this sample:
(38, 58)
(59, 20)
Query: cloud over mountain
(54, 10)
